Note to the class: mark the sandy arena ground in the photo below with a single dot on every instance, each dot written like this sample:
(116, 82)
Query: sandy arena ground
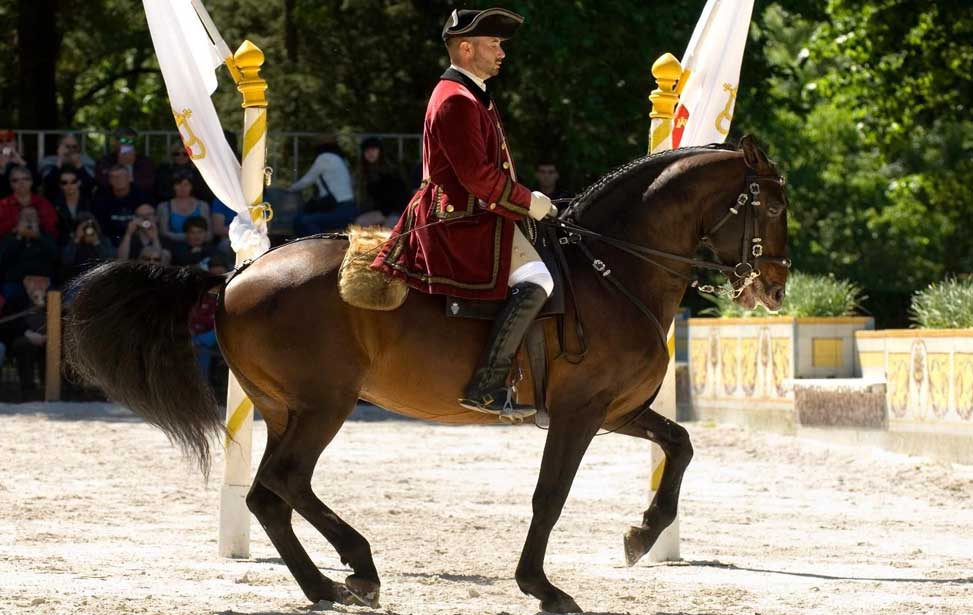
(99, 514)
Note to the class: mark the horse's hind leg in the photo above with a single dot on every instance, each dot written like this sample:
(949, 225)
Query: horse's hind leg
(673, 439)
(287, 473)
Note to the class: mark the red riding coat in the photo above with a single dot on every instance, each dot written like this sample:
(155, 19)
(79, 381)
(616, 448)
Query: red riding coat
(455, 235)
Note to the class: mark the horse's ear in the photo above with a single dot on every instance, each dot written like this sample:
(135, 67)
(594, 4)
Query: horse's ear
(751, 152)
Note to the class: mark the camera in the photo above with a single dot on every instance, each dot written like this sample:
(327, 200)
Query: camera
(7, 151)
(89, 230)
(146, 224)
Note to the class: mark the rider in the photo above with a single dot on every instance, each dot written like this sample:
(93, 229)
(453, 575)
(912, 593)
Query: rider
(462, 233)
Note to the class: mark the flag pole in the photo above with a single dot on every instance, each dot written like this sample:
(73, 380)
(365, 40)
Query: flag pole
(667, 72)
(221, 47)
(234, 536)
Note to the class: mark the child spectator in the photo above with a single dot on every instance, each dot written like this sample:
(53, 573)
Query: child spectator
(194, 250)
(87, 247)
(182, 206)
(70, 202)
(115, 208)
(21, 182)
(140, 169)
(142, 232)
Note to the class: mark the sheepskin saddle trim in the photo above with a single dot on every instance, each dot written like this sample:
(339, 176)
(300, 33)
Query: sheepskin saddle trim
(359, 284)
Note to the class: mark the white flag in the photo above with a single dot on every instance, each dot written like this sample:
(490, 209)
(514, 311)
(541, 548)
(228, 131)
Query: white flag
(189, 59)
(713, 60)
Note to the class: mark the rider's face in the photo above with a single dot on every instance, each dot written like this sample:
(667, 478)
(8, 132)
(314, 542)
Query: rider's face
(487, 55)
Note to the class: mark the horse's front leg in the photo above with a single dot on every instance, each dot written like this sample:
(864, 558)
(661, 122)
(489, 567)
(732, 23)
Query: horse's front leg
(674, 441)
(567, 440)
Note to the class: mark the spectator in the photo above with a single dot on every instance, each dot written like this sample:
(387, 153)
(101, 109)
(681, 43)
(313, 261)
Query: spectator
(68, 156)
(547, 176)
(179, 163)
(220, 218)
(69, 202)
(142, 232)
(10, 158)
(140, 169)
(115, 207)
(156, 256)
(202, 322)
(21, 182)
(334, 207)
(87, 247)
(194, 250)
(182, 206)
(25, 252)
(29, 338)
(381, 188)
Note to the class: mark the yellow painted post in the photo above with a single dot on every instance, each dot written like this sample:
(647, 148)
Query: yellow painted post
(234, 538)
(667, 72)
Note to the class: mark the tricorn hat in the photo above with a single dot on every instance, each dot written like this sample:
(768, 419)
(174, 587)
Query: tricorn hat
(497, 22)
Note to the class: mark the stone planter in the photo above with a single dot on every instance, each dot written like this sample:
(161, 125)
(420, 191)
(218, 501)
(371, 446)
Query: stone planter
(740, 368)
(929, 387)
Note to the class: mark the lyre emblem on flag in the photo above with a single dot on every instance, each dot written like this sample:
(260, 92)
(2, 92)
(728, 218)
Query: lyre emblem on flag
(189, 138)
(726, 114)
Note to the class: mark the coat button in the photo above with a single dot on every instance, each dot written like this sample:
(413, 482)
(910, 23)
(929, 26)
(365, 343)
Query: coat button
(503, 146)
(506, 164)
(449, 209)
(493, 205)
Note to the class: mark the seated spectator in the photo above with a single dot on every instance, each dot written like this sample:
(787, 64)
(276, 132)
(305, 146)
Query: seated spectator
(87, 247)
(220, 218)
(547, 176)
(114, 208)
(182, 206)
(69, 202)
(179, 163)
(194, 250)
(334, 206)
(25, 252)
(140, 169)
(202, 321)
(68, 156)
(381, 189)
(21, 183)
(156, 256)
(10, 158)
(142, 232)
(28, 337)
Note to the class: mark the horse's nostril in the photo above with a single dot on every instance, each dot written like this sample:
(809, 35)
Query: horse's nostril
(778, 294)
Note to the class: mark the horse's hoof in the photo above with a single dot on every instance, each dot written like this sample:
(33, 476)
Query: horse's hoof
(360, 592)
(563, 604)
(635, 547)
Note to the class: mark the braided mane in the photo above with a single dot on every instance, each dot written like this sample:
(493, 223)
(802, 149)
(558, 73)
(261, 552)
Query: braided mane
(657, 161)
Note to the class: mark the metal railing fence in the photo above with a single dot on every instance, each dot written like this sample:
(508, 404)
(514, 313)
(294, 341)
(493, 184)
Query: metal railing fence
(288, 153)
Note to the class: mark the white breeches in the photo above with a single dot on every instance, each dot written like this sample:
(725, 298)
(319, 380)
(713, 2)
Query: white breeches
(526, 265)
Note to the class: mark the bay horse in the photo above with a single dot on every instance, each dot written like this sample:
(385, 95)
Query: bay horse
(305, 357)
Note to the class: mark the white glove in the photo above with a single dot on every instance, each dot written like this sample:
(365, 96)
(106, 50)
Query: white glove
(541, 206)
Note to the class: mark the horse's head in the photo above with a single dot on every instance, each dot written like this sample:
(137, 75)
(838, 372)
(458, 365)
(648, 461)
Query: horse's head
(753, 234)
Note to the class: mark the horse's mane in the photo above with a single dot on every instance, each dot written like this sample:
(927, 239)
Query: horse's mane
(655, 163)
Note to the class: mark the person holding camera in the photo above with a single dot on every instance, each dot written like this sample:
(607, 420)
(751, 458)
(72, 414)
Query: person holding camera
(69, 202)
(25, 251)
(21, 183)
(10, 158)
(87, 247)
(142, 232)
(123, 153)
(67, 158)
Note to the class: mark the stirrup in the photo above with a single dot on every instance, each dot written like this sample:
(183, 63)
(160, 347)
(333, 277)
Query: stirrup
(509, 412)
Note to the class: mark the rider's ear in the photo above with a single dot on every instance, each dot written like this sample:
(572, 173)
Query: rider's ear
(751, 153)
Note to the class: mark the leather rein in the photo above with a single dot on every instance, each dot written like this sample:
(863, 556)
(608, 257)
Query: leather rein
(745, 271)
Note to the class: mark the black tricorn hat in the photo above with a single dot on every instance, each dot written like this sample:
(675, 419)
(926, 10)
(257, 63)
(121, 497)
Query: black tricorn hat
(497, 22)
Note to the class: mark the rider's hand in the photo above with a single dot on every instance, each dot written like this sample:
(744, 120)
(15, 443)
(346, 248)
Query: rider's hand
(541, 206)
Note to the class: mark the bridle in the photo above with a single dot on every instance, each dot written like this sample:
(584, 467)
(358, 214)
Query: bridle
(743, 272)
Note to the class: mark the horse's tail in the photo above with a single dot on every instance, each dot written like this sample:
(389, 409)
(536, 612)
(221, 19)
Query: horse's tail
(127, 332)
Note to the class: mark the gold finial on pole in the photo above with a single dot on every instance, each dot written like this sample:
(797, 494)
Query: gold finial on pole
(248, 59)
(667, 72)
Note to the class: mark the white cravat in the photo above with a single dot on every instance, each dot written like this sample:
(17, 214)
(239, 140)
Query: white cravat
(476, 80)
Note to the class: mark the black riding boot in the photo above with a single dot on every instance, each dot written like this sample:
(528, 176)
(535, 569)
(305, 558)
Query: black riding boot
(488, 390)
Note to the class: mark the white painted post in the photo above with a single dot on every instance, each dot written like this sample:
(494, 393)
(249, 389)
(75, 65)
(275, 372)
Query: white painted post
(667, 72)
(234, 539)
